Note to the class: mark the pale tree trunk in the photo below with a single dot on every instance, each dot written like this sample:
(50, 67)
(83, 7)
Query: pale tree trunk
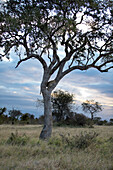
(46, 89)
(47, 129)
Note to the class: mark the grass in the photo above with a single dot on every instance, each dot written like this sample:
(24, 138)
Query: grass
(67, 149)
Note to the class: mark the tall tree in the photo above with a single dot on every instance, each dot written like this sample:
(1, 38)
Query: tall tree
(82, 28)
(61, 101)
(91, 107)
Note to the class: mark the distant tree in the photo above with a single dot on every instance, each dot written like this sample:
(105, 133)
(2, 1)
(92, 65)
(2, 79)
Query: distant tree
(111, 120)
(91, 107)
(76, 119)
(31, 118)
(3, 118)
(25, 117)
(61, 101)
(105, 122)
(41, 119)
(41, 28)
(2, 110)
(14, 114)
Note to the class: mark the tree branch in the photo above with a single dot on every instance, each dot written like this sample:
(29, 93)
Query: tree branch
(20, 61)
(42, 61)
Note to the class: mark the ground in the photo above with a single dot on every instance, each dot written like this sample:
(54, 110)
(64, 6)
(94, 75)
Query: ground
(69, 148)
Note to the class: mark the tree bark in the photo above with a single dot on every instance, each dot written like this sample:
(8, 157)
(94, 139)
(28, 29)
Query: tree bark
(92, 116)
(47, 129)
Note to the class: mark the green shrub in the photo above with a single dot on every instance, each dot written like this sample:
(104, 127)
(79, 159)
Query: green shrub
(55, 141)
(110, 139)
(16, 139)
(81, 141)
(86, 139)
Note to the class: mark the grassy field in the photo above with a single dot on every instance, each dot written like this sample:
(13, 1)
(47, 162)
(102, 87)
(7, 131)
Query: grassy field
(68, 148)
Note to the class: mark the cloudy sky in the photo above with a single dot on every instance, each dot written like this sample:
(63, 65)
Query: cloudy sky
(20, 88)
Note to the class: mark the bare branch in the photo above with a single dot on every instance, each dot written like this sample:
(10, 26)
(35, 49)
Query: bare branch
(107, 62)
(20, 61)
(42, 61)
(103, 70)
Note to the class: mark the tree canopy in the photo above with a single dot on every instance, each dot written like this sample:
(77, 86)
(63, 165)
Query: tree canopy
(14, 114)
(91, 107)
(61, 102)
(41, 27)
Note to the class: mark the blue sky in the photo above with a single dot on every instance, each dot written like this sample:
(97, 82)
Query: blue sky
(20, 88)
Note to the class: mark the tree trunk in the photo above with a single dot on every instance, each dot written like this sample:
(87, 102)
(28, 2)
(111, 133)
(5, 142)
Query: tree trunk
(92, 117)
(47, 129)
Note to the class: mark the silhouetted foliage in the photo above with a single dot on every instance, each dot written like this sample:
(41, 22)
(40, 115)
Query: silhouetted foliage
(76, 120)
(2, 110)
(80, 119)
(14, 114)
(111, 120)
(91, 107)
(61, 102)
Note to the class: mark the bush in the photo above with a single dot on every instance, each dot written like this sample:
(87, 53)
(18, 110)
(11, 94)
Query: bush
(81, 141)
(75, 120)
(55, 141)
(16, 139)
(80, 119)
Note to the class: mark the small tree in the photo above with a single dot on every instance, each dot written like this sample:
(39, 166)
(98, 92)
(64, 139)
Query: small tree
(61, 101)
(14, 114)
(91, 107)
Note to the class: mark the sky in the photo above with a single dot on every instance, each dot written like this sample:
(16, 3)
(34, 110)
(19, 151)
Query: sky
(20, 87)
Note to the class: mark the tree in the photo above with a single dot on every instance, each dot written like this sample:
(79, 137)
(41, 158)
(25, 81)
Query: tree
(111, 120)
(61, 101)
(41, 27)
(2, 110)
(3, 117)
(14, 114)
(92, 107)
(27, 117)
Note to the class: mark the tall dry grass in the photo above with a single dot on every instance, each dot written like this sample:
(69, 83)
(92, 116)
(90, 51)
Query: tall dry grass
(56, 153)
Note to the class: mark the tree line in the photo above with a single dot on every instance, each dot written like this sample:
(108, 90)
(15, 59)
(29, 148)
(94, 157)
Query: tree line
(62, 111)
